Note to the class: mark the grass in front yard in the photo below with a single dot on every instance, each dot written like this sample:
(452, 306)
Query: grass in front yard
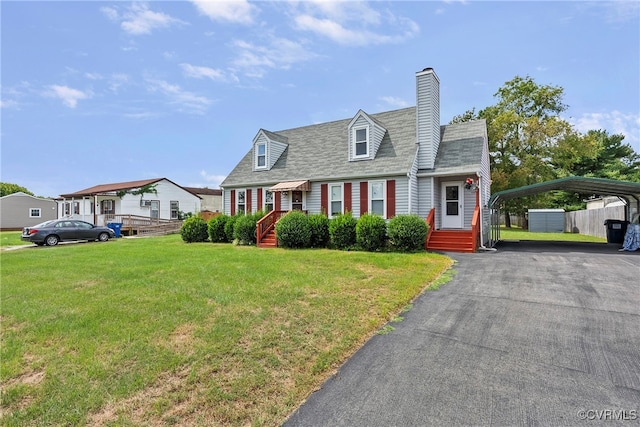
(516, 233)
(11, 238)
(155, 331)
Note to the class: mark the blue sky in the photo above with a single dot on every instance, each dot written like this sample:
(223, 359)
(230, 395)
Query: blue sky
(100, 92)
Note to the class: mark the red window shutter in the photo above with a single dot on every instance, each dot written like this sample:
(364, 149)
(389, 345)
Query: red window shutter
(364, 197)
(391, 198)
(347, 197)
(276, 200)
(259, 199)
(324, 198)
(233, 202)
(248, 200)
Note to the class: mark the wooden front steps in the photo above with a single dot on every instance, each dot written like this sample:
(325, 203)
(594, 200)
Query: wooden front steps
(451, 241)
(269, 240)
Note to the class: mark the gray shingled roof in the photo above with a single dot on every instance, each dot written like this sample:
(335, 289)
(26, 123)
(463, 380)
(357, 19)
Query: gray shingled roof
(320, 152)
(460, 147)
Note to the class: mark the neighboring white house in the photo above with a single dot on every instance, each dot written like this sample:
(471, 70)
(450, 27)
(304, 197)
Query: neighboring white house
(20, 210)
(396, 162)
(157, 198)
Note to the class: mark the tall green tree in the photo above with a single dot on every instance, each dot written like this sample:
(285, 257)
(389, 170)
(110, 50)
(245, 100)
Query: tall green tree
(524, 127)
(8, 188)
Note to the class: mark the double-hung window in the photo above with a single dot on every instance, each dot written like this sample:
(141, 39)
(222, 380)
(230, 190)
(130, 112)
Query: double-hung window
(361, 142)
(175, 209)
(268, 200)
(261, 156)
(336, 200)
(377, 198)
(241, 202)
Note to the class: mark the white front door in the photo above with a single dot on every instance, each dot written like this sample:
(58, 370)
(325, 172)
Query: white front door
(452, 206)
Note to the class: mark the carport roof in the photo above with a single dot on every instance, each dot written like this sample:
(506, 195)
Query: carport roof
(578, 184)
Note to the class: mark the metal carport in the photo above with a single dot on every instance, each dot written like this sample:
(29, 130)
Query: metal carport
(625, 190)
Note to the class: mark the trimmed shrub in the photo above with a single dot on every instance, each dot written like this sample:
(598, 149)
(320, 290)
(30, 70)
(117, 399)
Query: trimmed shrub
(194, 229)
(244, 230)
(342, 231)
(229, 227)
(216, 229)
(293, 230)
(319, 226)
(407, 233)
(371, 232)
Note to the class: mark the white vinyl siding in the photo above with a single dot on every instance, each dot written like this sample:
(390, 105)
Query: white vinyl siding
(428, 117)
(426, 195)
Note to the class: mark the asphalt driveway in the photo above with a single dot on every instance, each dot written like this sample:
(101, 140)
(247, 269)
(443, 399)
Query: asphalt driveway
(526, 335)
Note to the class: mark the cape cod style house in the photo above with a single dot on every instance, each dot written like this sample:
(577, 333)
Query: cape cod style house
(390, 163)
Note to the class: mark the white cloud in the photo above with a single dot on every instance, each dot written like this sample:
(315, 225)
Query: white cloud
(614, 122)
(93, 76)
(234, 11)
(200, 72)
(212, 179)
(186, 101)
(8, 103)
(394, 101)
(354, 23)
(279, 53)
(69, 96)
(117, 80)
(138, 19)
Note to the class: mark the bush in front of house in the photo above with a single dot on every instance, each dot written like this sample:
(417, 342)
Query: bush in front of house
(319, 226)
(407, 233)
(293, 230)
(342, 231)
(194, 229)
(244, 230)
(371, 232)
(229, 227)
(216, 229)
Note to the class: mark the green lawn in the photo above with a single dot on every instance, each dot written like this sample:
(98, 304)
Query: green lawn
(154, 331)
(11, 238)
(515, 233)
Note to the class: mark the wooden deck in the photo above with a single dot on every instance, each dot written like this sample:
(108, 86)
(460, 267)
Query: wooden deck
(135, 225)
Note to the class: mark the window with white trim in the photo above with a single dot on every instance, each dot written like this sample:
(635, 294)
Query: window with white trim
(361, 142)
(76, 208)
(377, 197)
(268, 200)
(335, 199)
(175, 209)
(108, 207)
(261, 156)
(35, 213)
(241, 202)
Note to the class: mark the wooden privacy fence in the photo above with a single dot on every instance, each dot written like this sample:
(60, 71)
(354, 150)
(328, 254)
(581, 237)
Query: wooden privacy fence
(591, 221)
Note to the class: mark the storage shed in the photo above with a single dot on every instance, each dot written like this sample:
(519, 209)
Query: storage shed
(546, 220)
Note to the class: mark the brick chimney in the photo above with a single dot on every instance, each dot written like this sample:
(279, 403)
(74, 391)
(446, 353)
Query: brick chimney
(427, 117)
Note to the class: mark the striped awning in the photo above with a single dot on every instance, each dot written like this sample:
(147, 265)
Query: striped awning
(292, 186)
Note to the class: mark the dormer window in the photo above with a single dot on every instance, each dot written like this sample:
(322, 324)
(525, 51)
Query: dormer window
(261, 156)
(361, 142)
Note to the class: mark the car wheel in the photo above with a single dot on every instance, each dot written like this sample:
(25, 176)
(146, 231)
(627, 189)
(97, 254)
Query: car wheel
(103, 237)
(51, 240)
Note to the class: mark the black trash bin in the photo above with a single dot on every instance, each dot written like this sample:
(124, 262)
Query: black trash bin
(616, 228)
(117, 226)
